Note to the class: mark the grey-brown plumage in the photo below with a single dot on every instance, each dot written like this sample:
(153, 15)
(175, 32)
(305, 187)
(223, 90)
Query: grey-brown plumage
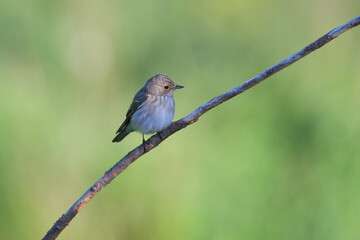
(152, 108)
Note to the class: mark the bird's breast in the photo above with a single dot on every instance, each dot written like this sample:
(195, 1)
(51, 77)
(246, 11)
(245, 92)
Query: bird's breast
(155, 114)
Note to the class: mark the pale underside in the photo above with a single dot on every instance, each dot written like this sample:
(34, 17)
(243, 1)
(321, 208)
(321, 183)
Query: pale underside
(152, 116)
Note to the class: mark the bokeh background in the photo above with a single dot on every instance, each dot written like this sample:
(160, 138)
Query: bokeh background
(280, 161)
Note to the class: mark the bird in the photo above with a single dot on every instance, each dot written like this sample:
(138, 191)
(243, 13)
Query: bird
(152, 108)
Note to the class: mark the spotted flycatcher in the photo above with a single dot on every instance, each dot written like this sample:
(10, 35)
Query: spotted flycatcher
(152, 109)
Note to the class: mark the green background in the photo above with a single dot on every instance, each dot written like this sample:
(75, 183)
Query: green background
(280, 161)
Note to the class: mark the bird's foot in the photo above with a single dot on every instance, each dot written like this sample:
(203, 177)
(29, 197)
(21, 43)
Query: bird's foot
(144, 147)
(144, 144)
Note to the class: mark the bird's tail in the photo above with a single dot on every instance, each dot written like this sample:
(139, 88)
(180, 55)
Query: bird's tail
(120, 136)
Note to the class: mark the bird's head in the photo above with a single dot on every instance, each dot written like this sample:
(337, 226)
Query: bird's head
(161, 85)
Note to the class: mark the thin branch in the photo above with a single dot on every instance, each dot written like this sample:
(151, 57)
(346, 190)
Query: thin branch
(155, 140)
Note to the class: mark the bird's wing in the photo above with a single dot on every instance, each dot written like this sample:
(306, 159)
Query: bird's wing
(139, 98)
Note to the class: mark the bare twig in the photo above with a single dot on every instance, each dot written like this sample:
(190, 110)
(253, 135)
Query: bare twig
(155, 140)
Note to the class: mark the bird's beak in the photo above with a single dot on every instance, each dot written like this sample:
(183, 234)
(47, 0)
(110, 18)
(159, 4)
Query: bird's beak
(178, 87)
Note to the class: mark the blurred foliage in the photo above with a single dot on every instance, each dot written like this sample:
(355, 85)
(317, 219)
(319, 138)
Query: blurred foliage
(280, 161)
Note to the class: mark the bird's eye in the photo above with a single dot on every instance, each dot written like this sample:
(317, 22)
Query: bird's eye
(166, 87)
